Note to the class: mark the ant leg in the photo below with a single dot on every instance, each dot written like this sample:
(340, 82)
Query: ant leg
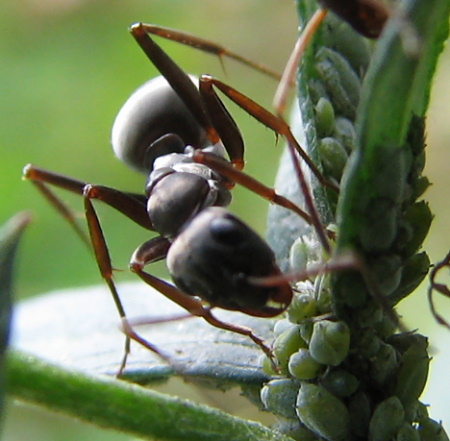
(268, 119)
(63, 210)
(279, 126)
(226, 169)
(131, 205)
(103, 259)
(216, 121)
(126, 203)
(279, 100)
(145, 255)
(439, 287)
(176, 77)
(207, 46)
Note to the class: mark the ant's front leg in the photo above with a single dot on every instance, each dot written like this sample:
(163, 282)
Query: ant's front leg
(131, 205)
(155, 249)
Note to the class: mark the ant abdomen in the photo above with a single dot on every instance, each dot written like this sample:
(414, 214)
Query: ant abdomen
(154, 110)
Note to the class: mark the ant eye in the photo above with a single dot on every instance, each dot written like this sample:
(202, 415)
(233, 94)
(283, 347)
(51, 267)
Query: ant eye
(226, 230)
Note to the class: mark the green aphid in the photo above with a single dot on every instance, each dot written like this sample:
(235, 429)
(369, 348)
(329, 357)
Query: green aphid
(342, 84)
(334, 157)
(386, 420)
(285, 345)
(330, 342)
(302, 366)
(323, 413)
(279, 397)
(324, 117)
(340, 382)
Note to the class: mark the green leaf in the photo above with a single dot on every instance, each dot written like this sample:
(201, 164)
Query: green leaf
(10, 235)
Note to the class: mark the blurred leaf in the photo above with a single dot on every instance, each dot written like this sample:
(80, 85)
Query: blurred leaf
(10, 235)
(75, 332)
(79, 329)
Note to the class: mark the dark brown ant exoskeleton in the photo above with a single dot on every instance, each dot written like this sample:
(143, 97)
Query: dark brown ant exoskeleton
(368, 17)
(180, 134)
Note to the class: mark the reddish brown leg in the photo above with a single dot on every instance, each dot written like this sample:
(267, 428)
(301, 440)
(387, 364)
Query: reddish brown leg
(176, 77)
(216, 121)
(145, 255)
(268, 119)
(226, 169)
(207, 46)
(131, 205)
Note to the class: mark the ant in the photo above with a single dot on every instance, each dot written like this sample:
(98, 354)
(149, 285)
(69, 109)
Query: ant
(179, 135)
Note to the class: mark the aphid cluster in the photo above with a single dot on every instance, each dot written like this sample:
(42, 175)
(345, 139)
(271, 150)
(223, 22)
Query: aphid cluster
(346, 373)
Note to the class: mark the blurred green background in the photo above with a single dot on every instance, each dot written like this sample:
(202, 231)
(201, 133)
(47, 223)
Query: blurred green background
(66, 68)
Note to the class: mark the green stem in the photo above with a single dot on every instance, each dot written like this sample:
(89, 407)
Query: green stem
(125, 407)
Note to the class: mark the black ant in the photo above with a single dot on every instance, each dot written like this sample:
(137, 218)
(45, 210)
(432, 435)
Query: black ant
(167, 129)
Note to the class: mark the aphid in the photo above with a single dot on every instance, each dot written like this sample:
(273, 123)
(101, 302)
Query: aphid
(166, 130)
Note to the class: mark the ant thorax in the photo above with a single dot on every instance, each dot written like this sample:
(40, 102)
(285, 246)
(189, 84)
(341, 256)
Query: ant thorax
(177, 181)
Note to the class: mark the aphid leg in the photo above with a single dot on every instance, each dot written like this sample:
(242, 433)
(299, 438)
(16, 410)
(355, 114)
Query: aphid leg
(145, 255)
(438, 287)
